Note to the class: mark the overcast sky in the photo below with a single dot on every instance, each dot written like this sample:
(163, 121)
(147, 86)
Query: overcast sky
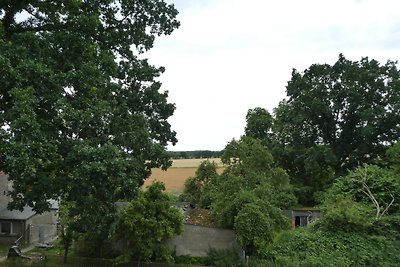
(230, 56)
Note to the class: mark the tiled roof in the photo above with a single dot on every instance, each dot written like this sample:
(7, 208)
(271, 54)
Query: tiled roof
(6, 214)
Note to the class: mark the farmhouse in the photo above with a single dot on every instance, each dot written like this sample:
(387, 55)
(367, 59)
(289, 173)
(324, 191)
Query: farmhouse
(24, 226)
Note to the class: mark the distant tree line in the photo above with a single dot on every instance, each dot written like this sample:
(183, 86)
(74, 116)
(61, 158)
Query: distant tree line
(195, 154)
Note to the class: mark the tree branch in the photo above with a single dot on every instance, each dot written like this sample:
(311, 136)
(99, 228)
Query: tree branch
(366, 190)
(45, 27)
(388, 206)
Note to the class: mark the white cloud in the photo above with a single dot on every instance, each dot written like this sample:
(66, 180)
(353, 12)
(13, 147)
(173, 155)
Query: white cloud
(229, 56)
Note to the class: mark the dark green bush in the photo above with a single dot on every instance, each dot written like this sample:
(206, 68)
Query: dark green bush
(314, 247)
(186, 259)
(224, 258)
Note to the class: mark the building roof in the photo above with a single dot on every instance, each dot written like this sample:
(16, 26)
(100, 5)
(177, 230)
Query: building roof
(6, 214)
(54, 204)
(200, 217)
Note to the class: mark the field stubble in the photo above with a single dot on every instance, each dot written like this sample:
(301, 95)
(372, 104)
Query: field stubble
(174, 178)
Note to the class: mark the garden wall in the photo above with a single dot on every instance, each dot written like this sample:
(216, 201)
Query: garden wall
(198, 240)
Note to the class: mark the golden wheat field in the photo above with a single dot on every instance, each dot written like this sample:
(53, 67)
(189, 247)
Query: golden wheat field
(181, 169)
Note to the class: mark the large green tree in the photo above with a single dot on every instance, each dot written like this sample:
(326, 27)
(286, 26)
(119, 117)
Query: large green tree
(337, 117)
(351, 106)
(82, 117)
(146, 223)
(196, 187)
(250, 185)
(393, 157)
(259, 124)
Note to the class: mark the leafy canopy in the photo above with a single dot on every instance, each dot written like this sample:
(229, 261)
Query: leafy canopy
(146, 223)
(259, 124)
(362, 199)
(351, 106)
(249, 194)
(335, 118)
(196, 187)
(82, 117)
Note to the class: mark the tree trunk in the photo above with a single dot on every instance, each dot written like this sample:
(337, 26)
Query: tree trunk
(66, 249)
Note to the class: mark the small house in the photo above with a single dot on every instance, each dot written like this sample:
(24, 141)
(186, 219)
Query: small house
(301, 217)
(26, 226)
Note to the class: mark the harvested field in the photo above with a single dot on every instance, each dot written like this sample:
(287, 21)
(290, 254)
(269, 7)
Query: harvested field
(185, 163)
(174, 178)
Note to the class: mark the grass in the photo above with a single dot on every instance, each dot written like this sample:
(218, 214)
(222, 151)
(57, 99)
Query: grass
(57, 261)
(54, 258)
(4, 250)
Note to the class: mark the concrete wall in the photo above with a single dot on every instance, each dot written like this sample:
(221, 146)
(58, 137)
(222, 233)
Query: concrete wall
(48, 217)
(198, 240)
(40, 233)
(41, 227)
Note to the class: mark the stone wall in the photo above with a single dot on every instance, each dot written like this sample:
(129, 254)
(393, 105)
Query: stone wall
(41, 227)
(198, 240)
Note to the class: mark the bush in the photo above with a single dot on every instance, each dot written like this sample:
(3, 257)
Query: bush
(224, 258)
(186, 259)
(314, 247)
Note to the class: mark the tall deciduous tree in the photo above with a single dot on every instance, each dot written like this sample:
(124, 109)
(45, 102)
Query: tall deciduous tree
(393, 157)
(82, 116)
(250, 176)
(259, 124)
(250, 194)
(348, 113)
(353, 107)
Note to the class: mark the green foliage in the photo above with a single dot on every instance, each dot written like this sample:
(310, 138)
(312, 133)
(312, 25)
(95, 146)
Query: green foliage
(258, 124)
(347, 215)
(229, 200)
(314, 247)
(195, 190)
(256, 225)
(67, 233)
(393, 157)
(383, 184)
(224, 258)
(249, 175)
(185, 259)
(365, 200)
(191, 192)
(248, 152)
(350, 232)
(336, 118)
(343, 106)
(82, 118)
(249, 194)
(145, 225)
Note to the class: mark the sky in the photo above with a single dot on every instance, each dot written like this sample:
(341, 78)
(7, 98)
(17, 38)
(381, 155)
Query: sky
(229, 56)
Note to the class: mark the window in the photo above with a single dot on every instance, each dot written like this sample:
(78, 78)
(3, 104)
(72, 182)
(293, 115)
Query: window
(6, 228)
(301, 221)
